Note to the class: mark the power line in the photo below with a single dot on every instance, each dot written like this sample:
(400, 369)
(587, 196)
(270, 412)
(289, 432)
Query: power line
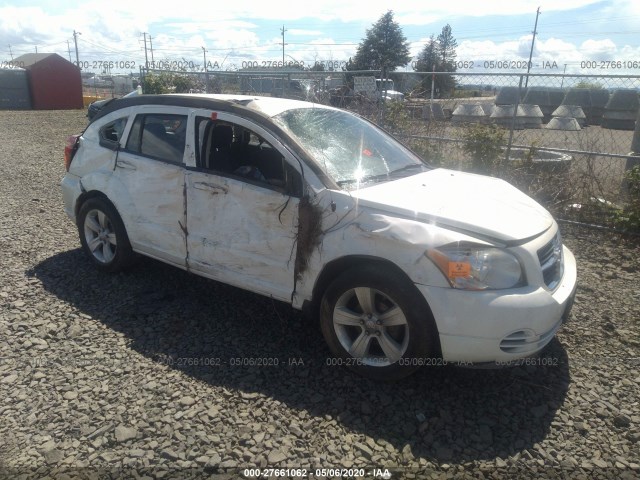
(107, 49)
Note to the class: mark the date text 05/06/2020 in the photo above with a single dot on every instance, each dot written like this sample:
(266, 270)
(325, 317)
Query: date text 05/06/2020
(376, 472)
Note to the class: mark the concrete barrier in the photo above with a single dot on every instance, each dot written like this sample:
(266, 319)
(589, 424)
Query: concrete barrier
(508, 96)
(571, 111)
(432, 111)
(568, 124)
(467, 113)
(621, 110)
(527, 116)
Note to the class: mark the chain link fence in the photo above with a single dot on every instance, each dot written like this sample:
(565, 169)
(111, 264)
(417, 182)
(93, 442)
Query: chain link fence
(563, 139)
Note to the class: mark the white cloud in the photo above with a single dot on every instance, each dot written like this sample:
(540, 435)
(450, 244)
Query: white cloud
(185, 27)
(230, 39)
(29, 25)
(599, 49)
(416, 18)
(302, 32)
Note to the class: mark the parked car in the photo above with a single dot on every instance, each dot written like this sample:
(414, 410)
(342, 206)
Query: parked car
(95, 107)
(403, 264)
(387, 90)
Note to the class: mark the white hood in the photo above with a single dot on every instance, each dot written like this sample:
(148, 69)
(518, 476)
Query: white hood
(473, 203)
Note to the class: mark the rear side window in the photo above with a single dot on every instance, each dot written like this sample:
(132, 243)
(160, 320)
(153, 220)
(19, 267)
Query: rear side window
(112, 131)
(159, 136)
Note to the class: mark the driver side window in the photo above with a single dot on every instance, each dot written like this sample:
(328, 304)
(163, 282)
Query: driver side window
(236, 151)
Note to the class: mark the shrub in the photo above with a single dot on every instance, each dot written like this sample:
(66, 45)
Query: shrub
(484, 144)
(396, 116)
(628, 217)
(168, 83)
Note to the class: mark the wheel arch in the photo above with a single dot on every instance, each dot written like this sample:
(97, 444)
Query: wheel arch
(339, 265)
(86, 195)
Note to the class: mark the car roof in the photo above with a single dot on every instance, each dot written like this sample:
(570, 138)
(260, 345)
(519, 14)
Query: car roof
(270, 106)
(264, 106)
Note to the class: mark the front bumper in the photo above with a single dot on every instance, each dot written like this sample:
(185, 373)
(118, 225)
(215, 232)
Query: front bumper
(500, 325)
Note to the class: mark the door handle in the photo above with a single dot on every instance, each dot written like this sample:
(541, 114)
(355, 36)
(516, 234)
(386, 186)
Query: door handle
(210, 187)
(126, 165)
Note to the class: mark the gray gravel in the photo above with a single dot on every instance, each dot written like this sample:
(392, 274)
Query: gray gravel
(133, 374)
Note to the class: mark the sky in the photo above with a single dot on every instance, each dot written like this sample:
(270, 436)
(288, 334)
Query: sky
(581, 36)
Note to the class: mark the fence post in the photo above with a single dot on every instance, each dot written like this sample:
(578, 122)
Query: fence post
(633, 159)
(513, 122)
(382, 95)
(635, 142)
(141, 82)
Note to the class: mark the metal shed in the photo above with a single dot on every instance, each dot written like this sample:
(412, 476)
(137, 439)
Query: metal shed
(54, 82)
(14, 89)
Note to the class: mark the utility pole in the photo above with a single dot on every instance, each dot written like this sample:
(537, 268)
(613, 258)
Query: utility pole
(36, 48)
(151, 48)
(146, 60)
(282, 30)
(206, 73)
(533, 40)
(10, 52)
(75, 41)
(69, 50)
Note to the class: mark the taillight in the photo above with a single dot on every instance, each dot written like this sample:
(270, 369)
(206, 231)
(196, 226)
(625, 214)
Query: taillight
(70, 150)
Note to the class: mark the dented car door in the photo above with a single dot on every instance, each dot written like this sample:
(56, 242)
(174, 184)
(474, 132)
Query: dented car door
(151, 170)
(241, 223)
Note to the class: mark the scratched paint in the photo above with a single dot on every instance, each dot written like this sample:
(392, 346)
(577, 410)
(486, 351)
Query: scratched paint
(241, 234)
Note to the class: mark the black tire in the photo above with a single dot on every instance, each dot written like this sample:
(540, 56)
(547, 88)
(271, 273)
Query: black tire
(358, 328)
(103, 235)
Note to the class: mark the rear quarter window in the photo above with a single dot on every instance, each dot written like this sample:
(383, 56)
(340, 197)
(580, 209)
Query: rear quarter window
(112, 131)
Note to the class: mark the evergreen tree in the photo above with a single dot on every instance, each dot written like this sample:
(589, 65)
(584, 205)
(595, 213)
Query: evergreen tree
(428, 57)
(447, 49)
(384, 47)
(441, 54)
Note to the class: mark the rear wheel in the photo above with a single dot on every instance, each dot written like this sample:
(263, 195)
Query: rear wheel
(376, 323)
(103, 235)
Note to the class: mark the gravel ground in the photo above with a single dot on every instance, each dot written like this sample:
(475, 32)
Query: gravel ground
(136, 374)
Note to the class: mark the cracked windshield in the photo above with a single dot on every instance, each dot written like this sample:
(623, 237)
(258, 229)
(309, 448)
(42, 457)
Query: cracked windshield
(349, 149)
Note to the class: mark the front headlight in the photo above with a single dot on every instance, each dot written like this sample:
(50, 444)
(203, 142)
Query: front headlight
(477, 267)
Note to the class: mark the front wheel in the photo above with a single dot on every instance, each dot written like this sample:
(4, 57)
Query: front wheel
(103, 235)
(376, 323)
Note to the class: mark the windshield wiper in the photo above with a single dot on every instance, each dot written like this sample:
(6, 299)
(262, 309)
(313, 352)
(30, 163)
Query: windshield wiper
(406, 167)
(344, 182)
(380, 176)
(365, 179)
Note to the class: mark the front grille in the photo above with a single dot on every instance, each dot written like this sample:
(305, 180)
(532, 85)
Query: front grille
(551, 262)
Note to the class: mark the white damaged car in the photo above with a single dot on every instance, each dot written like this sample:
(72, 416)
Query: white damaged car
(402, 263)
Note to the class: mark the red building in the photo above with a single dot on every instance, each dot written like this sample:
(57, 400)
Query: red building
(55, 83)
